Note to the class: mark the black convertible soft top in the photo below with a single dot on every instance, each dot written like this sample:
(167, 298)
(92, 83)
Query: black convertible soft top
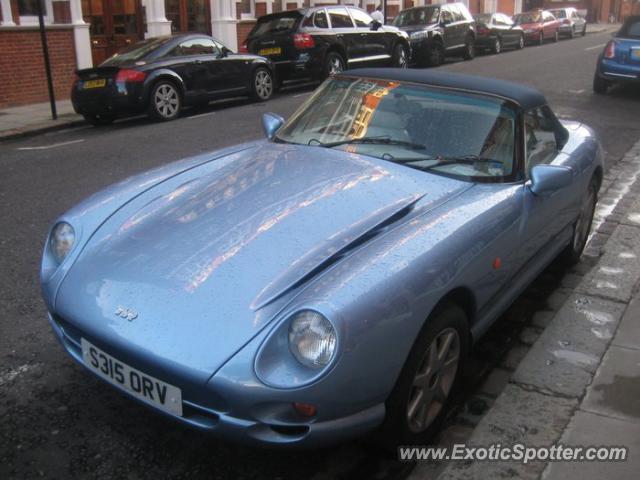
(526, 97)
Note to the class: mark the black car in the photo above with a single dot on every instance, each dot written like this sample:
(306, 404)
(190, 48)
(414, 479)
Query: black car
(495, 31)
(321, 41)
(438, 31)
(160, 75)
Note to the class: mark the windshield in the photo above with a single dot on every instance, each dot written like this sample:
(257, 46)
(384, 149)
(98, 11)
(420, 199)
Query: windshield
(135, 52)
(522, 18)
(277, 24)
(559, 13)
(417, 16)
(482, 18)
(456, 134)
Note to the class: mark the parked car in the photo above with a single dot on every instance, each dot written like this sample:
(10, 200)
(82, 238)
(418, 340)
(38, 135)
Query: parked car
(495, 31)
(161, 75)
(538, 26)
(571, 22)
(438, 31)
(329, 280)
(322, 41)
(620, 60)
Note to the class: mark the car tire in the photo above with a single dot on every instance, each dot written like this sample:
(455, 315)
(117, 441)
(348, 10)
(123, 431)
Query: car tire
(584, 30)
(333, 64)
(571, 255)
(600, 85)
(436, 54)
(556, 36)
(165, 101)
(432, 369)
(541, 39)
(262, 84)
(497, 46)
(521, 42)
(400, 58)
(469, 48)
(572, 33)
(98, 120)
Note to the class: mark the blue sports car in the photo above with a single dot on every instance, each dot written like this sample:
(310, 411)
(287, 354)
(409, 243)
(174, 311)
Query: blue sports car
(328, 280)
(620, 60)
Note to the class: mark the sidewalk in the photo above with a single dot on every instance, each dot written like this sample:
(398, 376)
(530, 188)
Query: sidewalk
(579, 383)
(36, 118)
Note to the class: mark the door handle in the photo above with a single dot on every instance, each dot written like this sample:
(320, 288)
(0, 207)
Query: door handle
(198, 62)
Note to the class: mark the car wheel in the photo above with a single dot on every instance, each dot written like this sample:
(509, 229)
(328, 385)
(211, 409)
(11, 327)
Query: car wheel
(165, 101)
(571, 255)
(99, 120)
(572, 34)
(541, 38)
(584, 30)
(521, 42)
(262, 85)
(556, 36)
(600, 85)
(418, 401)
(497, 45)
(400, 57)
(469, 48)
(436, 54)
(333, 64)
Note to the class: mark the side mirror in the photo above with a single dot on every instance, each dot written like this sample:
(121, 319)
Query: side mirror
(224, 52)
(375, 25)
(547, 179)
(271, 123)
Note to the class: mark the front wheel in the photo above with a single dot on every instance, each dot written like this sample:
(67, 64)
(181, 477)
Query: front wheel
(541, 39)
(418, 402)
(400, 57)
(572, 34)
(165, 102)
(571, 255)
(556, 36)
(262, 86)
(497, 45)
(584, 30)
(436, 54)
(333, 64)
(469, 48)
(521, 42)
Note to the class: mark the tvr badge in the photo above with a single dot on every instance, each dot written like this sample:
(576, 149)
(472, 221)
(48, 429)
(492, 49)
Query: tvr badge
(126, 313)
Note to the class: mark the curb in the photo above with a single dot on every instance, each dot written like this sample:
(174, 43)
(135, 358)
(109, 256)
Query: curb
(33, 130)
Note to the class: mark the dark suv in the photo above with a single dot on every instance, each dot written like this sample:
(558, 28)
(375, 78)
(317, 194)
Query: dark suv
(438, 31)
(321, 41)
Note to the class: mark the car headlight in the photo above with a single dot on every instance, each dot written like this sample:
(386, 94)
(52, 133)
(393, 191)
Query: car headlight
(312, 339)
(62, 239)
(419, 35)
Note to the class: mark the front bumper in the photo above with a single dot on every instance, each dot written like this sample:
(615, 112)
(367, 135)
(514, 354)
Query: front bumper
(264, 423)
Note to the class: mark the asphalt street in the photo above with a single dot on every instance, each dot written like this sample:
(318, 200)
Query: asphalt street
(59, 422)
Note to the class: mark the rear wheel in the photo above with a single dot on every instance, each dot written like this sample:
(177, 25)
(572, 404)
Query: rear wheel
(333, 64)
(497, 45)
(600, 85)
(584, 30)
(400, 57)
(541, 39)
(469, 48)
(556, 36)
(262, 85)
(417, 404)
(99, 120)
(165, 101)
(571, 255)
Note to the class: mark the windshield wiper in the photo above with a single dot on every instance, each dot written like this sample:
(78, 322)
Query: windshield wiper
(382, 140)
(465, 160)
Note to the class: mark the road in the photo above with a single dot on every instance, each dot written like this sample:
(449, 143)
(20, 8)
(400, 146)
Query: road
(59, 422)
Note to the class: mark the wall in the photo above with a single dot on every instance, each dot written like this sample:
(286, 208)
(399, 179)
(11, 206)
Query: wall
(22, 75)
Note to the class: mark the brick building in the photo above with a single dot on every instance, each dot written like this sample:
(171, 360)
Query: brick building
(82, 33)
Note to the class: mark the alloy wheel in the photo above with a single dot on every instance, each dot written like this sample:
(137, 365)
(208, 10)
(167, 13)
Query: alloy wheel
(521, 42)
(335, 65)
(497, 47)
(263, 84)
(167, 101)
(433, 380)
(401, 61)
(583, 224)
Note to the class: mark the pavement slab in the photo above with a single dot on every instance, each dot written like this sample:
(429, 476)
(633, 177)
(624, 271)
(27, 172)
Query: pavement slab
(628, 334)
(569, 350)
(505, 424)
(588, 429)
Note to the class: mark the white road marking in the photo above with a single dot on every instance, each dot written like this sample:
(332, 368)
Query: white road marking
(577, 92)
(202, 115)
(11, 374)
(46, 147)
(594, 47)
(302, 94)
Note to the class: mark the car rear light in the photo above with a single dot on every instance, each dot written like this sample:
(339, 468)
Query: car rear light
(483, 31)
(610, 49)
(303, 41)
(128, 75)
(243, 47)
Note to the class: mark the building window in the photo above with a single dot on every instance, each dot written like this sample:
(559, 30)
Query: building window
(28, 8)
(247, 8)
(28, 11)
(188, 15)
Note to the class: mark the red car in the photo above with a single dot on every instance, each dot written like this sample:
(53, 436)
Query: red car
(538, 26)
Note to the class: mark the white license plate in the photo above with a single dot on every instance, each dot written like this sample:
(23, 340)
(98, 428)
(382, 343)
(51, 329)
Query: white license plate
(145, 387)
